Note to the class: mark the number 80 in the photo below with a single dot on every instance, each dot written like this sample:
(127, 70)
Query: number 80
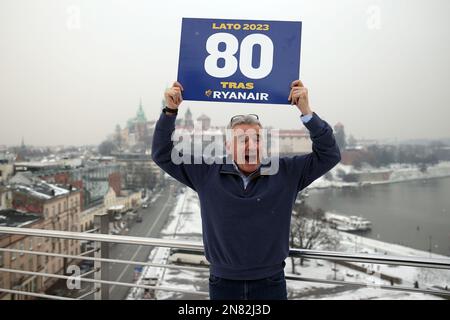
(245, 58)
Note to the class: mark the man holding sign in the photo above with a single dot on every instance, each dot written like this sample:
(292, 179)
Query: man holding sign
(241, 61)
(246, 213)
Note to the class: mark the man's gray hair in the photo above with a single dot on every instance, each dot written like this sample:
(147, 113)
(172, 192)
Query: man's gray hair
(244, 119)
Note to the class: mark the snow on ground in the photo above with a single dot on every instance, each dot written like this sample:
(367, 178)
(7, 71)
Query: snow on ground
(376, 294)
(426, 277)
(185, 223)
(400, 173)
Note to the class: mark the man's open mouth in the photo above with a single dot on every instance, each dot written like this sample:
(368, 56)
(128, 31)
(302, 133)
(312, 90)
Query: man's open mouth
(250, 158)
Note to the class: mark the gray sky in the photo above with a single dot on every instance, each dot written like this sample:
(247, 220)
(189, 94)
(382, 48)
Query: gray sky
(381, 67)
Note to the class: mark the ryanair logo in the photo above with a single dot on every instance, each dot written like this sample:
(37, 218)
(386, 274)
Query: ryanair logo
(225, 94)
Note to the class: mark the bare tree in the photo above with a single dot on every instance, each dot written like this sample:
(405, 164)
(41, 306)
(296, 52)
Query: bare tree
(310, 231)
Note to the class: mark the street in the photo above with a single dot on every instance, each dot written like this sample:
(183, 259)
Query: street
(153, 219)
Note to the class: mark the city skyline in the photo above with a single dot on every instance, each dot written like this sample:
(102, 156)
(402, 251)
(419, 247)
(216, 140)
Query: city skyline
(70, 71)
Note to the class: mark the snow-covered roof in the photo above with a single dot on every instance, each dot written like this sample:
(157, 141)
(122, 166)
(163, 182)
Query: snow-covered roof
(118, 207)
(14, 218)
(43, 190)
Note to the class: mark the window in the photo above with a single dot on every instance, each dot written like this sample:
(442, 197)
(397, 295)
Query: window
(13, 256)
(30, 263)
(21, 247)
(41, 262)
(31, 244)
(59, 208)
(65, 205)
(1, 261)
(46, 213)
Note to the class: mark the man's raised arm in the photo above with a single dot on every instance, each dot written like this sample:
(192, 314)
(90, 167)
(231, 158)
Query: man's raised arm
(162, 147)
(325, 152)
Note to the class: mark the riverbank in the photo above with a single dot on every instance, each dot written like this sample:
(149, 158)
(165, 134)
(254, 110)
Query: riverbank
(373, 176)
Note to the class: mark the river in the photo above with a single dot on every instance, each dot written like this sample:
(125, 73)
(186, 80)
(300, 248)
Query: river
(413, 213)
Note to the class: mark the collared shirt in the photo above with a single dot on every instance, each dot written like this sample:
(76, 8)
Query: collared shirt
(245, 178)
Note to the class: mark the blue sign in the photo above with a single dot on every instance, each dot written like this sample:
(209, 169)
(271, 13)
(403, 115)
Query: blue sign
(244, 61)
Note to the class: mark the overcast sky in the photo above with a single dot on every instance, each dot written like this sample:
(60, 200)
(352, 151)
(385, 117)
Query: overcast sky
(71, 70)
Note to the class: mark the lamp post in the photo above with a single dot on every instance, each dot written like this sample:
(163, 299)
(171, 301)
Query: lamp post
(429, 241)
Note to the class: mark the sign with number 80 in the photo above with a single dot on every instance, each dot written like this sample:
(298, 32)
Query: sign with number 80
(245, 58)
(238, 60)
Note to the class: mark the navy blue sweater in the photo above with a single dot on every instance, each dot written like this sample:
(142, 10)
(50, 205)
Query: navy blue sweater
(246, 230)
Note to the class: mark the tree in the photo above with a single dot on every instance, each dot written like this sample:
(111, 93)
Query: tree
(423, 167)
(106, 148)
(357, 163)
(309, 231)
(340, 174)
(328, 176)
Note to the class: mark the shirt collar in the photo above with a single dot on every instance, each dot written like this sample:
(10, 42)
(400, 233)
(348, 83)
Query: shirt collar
(243, 174)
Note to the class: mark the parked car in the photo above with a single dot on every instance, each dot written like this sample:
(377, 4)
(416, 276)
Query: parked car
(90, 245)
(149, 281)
(86, 265)
(187, 256)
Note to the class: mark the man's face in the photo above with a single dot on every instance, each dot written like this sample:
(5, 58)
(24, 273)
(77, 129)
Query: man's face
(246, 147)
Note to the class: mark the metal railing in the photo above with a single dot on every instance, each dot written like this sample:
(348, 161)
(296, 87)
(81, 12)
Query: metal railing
(101, 282)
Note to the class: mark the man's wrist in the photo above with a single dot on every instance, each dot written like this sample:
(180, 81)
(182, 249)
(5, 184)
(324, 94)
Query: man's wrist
(306, 112)
(306, 117)
(170, 111)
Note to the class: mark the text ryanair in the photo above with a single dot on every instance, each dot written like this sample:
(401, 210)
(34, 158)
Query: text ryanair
(238, 95)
